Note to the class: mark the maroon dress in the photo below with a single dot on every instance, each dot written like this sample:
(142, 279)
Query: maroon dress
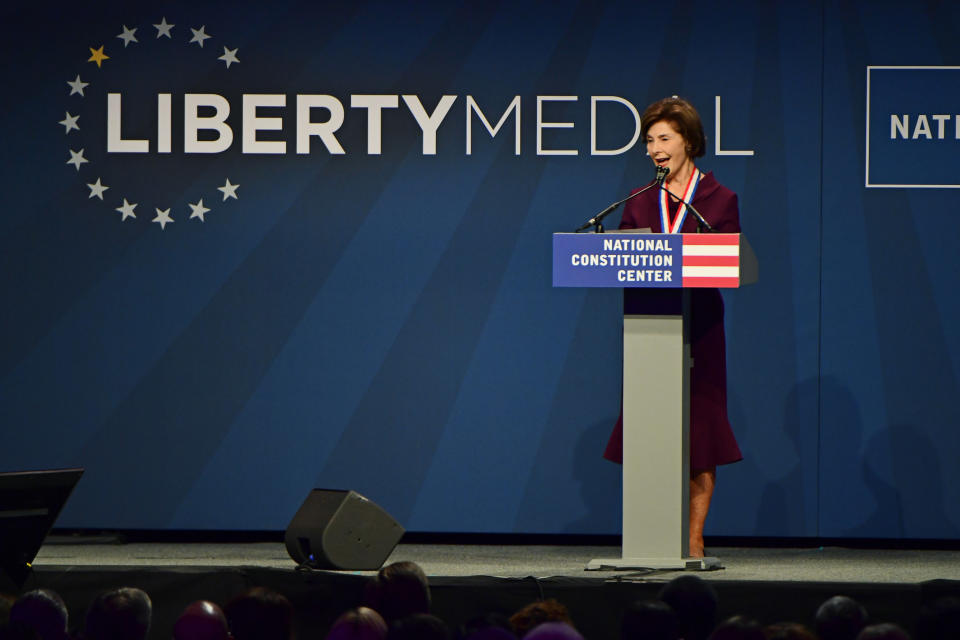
(711, 438)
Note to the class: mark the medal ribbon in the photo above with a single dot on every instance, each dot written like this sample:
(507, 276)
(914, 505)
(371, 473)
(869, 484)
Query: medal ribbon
(682, 211)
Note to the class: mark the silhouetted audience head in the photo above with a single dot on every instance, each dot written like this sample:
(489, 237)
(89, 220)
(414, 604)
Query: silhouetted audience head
(6, 603)
(738, 628)
(260, 614)
(649, 620)
(43, 611)
(939, 620)
(537, 613)
(119, 614)
(361, 623)
(490, 633)
(695, 603)
(788, 631)
(884, 631)
(840, 618)
(201, 620)
(553, 631)
(399, 590)
(18, 631)
(490, 626)
(419, 626)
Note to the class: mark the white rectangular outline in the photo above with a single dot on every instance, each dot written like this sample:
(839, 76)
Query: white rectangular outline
(867, 184)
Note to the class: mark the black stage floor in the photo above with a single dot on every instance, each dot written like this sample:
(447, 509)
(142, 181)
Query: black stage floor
(771, 584)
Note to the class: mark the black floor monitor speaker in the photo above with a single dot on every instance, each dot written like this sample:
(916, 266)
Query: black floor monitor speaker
(341, 530)
(30, 502)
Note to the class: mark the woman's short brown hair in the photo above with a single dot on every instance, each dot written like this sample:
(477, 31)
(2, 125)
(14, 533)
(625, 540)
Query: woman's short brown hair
(683, 117)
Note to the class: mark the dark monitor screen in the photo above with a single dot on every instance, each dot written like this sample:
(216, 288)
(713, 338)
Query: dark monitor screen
(30, 502)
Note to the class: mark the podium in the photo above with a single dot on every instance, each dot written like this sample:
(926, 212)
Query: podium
(656, 373)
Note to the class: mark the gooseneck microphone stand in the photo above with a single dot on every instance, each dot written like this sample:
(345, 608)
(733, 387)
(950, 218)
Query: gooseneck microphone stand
(596, 221)
(701, 221)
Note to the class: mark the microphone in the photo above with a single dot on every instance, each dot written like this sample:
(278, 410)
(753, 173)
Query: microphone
(662, 173)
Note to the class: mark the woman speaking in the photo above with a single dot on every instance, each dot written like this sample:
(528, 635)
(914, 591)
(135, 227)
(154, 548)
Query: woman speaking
(674, 136)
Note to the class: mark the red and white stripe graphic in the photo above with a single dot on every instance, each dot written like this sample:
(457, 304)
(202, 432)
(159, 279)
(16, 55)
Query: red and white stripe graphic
(711, 260)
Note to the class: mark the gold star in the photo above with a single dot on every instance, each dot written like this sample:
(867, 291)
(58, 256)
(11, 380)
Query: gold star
(98, 56)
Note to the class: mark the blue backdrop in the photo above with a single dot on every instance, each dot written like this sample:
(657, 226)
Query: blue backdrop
(382, 319)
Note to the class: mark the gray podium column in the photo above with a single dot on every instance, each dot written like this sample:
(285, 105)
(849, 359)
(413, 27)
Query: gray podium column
(656, 445)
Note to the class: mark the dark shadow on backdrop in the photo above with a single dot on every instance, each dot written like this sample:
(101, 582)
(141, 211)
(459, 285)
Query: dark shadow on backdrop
(597, 489)
(912, 505)
(784, 500)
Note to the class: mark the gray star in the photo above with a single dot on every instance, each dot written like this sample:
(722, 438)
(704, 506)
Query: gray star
(163, 217)
(199, 36)
(77, 159)
(70, 122)
(228, 190)
(198, 210)
(77, 86)
(163, 29)
(229, 57)
(97, 189)
(127, 210)
(127, 36)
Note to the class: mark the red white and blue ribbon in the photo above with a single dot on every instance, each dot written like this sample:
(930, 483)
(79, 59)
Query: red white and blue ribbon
(682, 211)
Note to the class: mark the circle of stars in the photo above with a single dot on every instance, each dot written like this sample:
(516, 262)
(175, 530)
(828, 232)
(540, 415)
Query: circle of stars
(70, 123)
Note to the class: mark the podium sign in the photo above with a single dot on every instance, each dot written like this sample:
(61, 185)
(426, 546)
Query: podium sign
(656, 375)
(649, 260)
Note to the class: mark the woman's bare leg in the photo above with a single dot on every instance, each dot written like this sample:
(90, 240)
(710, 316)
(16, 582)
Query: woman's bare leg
(702, 482)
